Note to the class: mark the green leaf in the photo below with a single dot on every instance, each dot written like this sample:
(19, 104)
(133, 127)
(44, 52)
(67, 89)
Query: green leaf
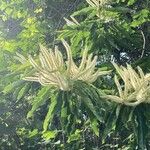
(64, 112)
(89, 97)
(49, 135)
(75, 136)
(90, 106)
(142, 128)
(54, 109)
(131, 2)
(20, 67)
(23, 91)
(111, 121)
(83, 11)
(33, 133)
(94, 126)
(50, 113)
(39, 100)
(12, 86)
(140, 18)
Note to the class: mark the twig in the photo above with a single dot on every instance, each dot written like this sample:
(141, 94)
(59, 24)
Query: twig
(144, 43)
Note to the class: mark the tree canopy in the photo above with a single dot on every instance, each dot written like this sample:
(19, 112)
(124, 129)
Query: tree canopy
(74, 75)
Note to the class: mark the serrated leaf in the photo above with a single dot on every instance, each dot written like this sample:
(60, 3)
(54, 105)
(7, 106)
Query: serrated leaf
(110, 123)
(54, 109)
(50, 113)
(23, 91)
(39, 100)
(89, 97)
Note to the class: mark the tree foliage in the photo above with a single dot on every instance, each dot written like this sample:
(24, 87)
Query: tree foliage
(45, 117)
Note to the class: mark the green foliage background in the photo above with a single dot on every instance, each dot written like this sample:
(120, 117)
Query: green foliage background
(58, 120)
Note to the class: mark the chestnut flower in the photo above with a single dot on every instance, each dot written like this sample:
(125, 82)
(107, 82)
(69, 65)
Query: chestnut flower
(135, 88)
(54, 71)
